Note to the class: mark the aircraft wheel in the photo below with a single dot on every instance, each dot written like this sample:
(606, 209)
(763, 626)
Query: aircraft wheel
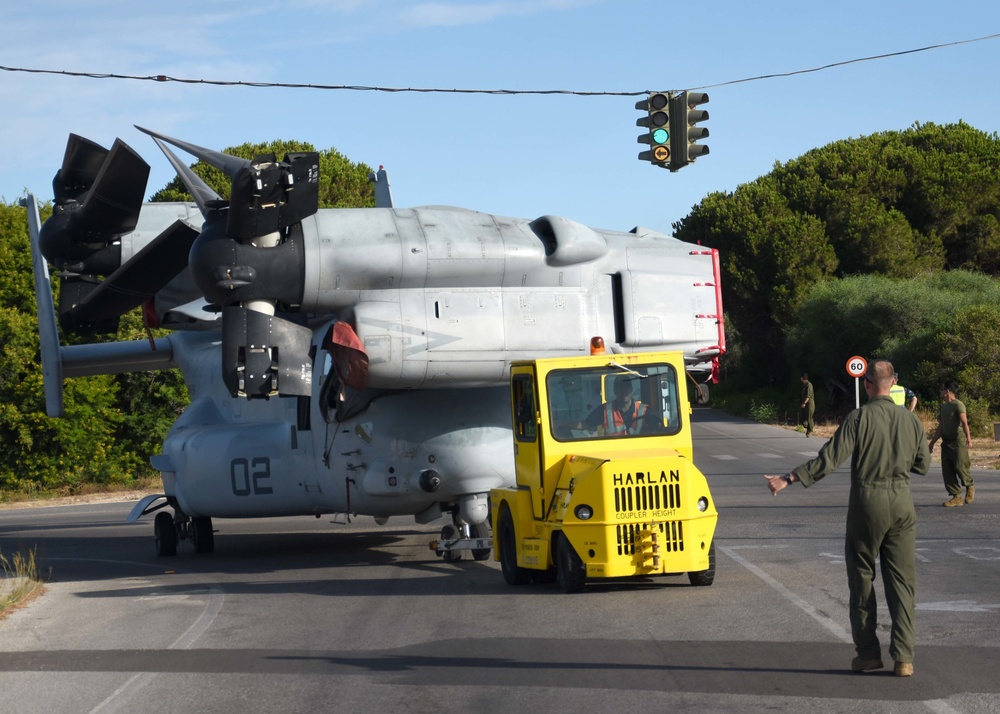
(570, 572)
(481, 530)
(165, 533)
(450, 533)
(513, 574)
(704, 578)
(202, 535)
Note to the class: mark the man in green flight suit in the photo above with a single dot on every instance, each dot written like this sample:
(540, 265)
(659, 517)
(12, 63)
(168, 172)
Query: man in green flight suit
(807, 407)
(885, 444)
(955, 462)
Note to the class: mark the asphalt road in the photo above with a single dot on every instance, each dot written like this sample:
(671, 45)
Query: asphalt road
(301, 615)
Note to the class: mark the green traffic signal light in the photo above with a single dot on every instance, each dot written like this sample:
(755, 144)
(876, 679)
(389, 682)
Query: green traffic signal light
(656, 121)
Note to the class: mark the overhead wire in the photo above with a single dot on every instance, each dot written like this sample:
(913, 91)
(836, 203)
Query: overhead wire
(428, 90)
(847, 62)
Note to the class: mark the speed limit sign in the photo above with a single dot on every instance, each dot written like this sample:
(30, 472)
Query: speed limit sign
(857, 366)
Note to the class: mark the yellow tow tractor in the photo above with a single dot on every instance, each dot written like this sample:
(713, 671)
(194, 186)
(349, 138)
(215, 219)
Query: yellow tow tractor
(606, 485)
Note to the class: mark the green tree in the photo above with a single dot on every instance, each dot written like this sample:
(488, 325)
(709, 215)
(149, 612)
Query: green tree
(772, 256)
(17, 289)
(898, 204)
(342, 184)
(42, 454)
(932, 328)
(967, 350)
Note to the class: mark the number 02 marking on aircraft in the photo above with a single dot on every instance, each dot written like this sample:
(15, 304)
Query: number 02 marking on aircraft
(247, 475)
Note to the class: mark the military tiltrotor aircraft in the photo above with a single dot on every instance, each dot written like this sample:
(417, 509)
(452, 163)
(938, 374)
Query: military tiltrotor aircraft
(340, 361)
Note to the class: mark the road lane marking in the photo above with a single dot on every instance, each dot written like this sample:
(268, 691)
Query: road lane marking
(957, 606)
(839, 632)
(989, 553)
(216, 598)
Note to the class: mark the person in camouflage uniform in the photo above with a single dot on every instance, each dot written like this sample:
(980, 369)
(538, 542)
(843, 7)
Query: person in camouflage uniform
(955, 463)
(807, 407)
(886, 444)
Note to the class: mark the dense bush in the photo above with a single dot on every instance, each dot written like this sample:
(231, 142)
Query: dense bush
(898, 204)
(933, 329)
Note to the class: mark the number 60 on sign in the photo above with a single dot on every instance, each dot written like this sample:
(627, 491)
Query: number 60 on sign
(857, 366)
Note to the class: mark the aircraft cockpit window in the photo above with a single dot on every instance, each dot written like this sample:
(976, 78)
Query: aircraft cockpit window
(523, 399)
(610, 401)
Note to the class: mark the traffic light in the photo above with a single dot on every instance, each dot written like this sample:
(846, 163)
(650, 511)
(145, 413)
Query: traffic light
(684, 130)
(657, 122)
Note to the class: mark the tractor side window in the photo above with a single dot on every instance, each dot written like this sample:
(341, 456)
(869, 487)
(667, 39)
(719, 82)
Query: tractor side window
(523, 399)
(661, 395)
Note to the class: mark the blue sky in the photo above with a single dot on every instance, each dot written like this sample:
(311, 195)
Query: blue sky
(513, 155)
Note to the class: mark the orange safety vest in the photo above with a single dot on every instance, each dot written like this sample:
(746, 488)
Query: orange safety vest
(614, 422)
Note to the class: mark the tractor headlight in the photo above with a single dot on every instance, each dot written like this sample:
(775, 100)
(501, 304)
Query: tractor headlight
(584, 512)
(702, 504)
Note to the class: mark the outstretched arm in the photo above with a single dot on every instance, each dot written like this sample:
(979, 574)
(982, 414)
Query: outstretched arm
(778, 483)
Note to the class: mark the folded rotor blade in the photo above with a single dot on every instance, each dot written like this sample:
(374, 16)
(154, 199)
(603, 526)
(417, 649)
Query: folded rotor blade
(264, 355)
(139, 279)
(99, 194)
(112, 204)
(201, 191)
(229, 165)
(81, 164)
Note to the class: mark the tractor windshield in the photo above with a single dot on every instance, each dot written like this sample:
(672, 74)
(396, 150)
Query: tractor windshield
(613, 401)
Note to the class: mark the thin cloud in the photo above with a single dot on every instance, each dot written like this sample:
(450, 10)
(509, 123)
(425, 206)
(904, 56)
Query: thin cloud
(455, 14)
(103, 32)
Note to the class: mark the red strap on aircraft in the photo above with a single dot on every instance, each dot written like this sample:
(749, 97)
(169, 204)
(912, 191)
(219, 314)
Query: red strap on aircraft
(349, 356)
(150, 320)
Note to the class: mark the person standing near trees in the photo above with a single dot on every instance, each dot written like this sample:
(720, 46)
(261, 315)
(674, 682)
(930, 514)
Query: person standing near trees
(807, 406)
(886, 444)
(955, 463)
(902, 396)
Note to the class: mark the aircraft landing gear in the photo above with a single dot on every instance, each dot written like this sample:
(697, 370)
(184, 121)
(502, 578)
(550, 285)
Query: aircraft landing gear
(202, 534)
(168, 530)
(165, 533)
(470, 530)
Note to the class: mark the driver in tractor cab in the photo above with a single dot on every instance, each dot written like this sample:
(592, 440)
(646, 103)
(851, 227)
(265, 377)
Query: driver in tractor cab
(619, 417)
